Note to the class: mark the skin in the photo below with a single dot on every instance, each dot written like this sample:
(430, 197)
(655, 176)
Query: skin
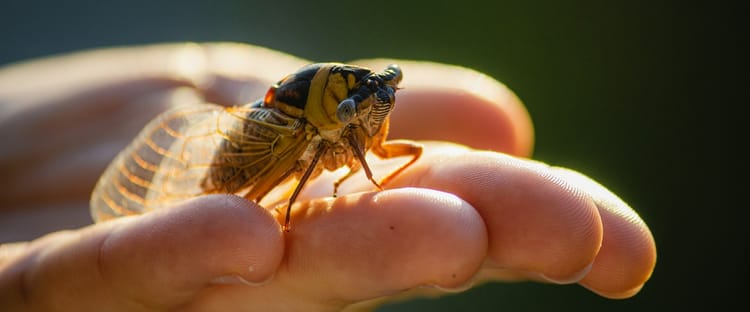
(473, 209)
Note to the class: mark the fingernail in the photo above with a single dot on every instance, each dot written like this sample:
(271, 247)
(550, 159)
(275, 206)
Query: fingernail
(572, 278)
(230, 280)
(456, 289)
(238, 280)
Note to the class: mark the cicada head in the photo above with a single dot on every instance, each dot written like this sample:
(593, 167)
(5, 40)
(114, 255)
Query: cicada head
(371, 100)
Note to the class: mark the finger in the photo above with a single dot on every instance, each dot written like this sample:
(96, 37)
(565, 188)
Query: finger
(536, 221)
(178, 251)
(628, 253)
(368, 245)
(456, 104)
(9, 251)
(183, 64)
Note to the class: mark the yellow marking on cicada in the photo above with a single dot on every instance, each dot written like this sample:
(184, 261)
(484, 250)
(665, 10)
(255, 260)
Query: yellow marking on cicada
(315, 111)
(291, 110)
(351, 82)
(336, 90)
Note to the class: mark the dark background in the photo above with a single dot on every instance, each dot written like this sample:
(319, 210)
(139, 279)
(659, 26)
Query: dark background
(636, 94)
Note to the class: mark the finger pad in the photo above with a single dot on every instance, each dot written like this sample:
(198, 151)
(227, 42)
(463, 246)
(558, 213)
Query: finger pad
(626, 259)
(372, 244)
(536, 221)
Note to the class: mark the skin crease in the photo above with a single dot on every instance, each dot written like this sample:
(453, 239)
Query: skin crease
(467, 212)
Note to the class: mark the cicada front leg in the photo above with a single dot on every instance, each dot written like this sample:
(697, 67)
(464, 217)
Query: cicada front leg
(360, 154)
(383, 149)
(354, 168)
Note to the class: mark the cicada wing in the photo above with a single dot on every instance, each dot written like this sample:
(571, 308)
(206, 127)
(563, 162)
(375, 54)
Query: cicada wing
(260, 148)
(178, 144)
(200, 149)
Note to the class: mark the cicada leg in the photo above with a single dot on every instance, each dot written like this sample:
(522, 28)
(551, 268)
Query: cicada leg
(384, 149)
(321, 150)
(352, 170)
(396, 148)
(361, 157)
(389, 149)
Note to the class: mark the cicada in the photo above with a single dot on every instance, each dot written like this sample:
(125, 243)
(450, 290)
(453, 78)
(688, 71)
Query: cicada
(323, 117)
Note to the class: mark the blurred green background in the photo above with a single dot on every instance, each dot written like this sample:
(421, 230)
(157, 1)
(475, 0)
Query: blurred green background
(631, 93)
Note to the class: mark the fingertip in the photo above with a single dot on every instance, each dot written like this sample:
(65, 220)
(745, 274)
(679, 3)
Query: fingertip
(554, 230)
(181, 249)
(628, 254)
(247, 238)
(624, 263)
(481, 111)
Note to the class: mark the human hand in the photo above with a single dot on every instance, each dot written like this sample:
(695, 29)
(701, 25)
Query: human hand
(458, 216)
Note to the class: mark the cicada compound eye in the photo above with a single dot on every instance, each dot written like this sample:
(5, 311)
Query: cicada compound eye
(270, 94)
(346, 110)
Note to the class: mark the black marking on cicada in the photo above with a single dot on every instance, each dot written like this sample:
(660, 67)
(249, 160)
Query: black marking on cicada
(323, 117)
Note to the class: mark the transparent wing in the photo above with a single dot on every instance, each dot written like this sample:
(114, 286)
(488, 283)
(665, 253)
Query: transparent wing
(170, 160)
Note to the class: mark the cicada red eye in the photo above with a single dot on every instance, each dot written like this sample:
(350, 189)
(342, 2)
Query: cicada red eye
(268, 99)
